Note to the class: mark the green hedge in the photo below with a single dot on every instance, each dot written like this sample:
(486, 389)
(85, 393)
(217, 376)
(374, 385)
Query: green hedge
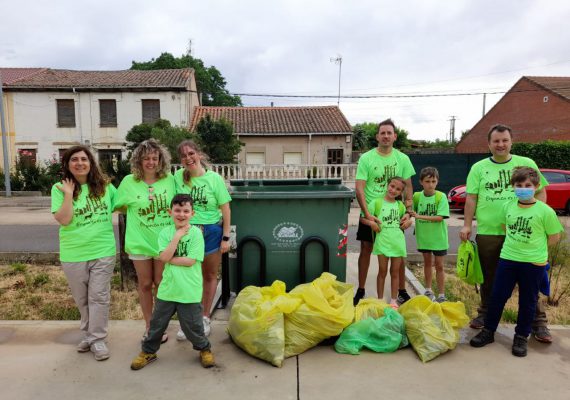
(548, 154)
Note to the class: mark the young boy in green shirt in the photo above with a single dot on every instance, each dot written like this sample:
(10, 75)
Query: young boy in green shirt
(430, 211)
(181, 248)
(531, 226)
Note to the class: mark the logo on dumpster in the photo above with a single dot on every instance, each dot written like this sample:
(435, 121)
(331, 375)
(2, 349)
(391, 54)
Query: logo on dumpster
(287, 232)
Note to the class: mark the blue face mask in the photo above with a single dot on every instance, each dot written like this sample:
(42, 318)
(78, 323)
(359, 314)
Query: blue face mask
(524, 193)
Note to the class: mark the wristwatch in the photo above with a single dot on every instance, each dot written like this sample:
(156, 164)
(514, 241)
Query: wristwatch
(226, 238)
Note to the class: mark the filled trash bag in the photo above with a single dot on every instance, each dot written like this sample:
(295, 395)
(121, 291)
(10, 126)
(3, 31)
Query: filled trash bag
(432, 328)
(369, 308)
(256, 321)
(468, 265)
(326, 309)
(382, 335)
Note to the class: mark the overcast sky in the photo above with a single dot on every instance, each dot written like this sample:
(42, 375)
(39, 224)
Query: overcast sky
(285, 47)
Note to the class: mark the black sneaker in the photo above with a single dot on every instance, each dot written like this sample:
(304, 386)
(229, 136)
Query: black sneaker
(358, 296)
(478, 322)
(403, 296)
(483, 338)
(519, 346)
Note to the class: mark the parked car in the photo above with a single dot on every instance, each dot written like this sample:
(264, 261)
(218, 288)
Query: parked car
(557, 191)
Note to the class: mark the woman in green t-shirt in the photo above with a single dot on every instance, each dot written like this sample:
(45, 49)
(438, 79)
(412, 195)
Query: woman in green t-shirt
(82, 203)
(145, 196)
(212, 212)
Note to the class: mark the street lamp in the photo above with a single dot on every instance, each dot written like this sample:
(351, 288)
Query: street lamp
(338, 60)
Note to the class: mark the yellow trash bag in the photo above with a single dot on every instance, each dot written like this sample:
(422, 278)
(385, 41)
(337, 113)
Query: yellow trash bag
(326, 309)
(369, 308)
(432, 327)
(256, 321)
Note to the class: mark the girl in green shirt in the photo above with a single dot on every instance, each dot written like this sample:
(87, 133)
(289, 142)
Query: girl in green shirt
(82, 203)
(145, 196)
(212, 212)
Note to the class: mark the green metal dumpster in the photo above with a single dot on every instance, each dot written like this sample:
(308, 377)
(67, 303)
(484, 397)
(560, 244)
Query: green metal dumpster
(291, 230)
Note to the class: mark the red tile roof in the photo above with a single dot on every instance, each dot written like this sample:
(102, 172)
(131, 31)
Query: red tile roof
(11, 75)
(48, 79)
(278, 120)
(559, 85)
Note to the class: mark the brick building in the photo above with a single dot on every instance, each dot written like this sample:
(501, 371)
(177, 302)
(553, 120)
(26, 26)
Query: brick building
(536, 107)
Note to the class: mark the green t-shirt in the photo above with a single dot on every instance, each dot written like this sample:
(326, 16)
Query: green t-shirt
(432, 235)
(179, 283)
(390, 241)
(208, 193)
(89, 235)
(490, 181)
(377, 169)
(145, 217)
(527, 231)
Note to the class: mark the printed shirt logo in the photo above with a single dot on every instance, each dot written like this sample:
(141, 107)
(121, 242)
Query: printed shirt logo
(501, 184)
(95, 211)
(199, 198)
(181, 249)
(157, 207)
(392, 219)
(381, 180)
(521, 227)
(288, 232)
(430, 210)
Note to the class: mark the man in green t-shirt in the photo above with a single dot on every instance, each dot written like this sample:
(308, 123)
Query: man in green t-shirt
(375, 168)
(488, 189)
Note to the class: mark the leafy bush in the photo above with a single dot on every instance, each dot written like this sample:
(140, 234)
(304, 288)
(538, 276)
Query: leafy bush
(548, 154)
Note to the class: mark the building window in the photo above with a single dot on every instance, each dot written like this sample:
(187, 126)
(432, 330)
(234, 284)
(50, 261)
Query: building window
(293, 158)
(27, 156)
(108, 113)
(109, 159)
(334, 156)
(150, 111)
(65, 113)
(61, 153)
(254, 158)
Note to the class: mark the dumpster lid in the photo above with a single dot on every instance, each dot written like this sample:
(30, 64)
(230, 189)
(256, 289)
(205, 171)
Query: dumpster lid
(289, 188)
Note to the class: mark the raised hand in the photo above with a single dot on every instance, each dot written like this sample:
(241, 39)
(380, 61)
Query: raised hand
(67, 186)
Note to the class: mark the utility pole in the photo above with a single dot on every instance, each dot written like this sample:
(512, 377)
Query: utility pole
(452, 128)
(338, 60)
(4, 144)
(484, 99)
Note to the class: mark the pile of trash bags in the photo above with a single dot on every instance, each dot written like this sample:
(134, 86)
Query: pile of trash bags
(271, 324)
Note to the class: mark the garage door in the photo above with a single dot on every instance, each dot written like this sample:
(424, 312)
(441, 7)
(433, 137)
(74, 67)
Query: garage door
(293, 158)
(254, 158)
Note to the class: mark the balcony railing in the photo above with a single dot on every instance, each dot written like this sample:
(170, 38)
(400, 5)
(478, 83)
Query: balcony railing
(346, 172)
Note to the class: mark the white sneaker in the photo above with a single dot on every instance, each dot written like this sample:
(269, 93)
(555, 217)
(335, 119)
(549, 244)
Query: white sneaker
(429, 294)
(83, 346)
(180, 336)
(100, 351)
(207, 328)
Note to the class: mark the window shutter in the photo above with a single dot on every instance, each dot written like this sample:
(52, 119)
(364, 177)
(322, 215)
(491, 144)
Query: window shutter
(108, 113)
(150, 111)
(66, 113)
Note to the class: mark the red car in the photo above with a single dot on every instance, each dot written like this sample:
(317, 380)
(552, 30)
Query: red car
(557, 191)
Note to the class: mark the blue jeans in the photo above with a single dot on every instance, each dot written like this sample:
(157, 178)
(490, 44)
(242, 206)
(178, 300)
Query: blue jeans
(528, 277)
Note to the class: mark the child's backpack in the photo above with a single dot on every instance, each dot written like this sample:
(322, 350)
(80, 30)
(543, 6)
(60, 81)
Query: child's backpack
(416, 198)
(468, 265)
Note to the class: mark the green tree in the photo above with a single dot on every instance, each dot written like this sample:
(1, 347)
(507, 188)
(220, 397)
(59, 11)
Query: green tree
(163, 131)
(217, 140)
(209, 80)
(368, 131)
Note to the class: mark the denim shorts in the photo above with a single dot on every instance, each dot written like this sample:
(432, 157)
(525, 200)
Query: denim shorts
(212, 238)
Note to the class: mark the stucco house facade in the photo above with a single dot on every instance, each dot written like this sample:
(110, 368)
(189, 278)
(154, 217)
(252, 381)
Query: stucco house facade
(49, 110)
(536, 107)
(286, 135)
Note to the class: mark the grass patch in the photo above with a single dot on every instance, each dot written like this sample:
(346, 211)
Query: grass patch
(35, 292)
(457, 290)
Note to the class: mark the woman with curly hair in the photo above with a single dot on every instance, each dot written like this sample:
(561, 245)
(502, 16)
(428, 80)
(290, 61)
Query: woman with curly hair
(83, 204)
(145, 196)
(211, 212)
